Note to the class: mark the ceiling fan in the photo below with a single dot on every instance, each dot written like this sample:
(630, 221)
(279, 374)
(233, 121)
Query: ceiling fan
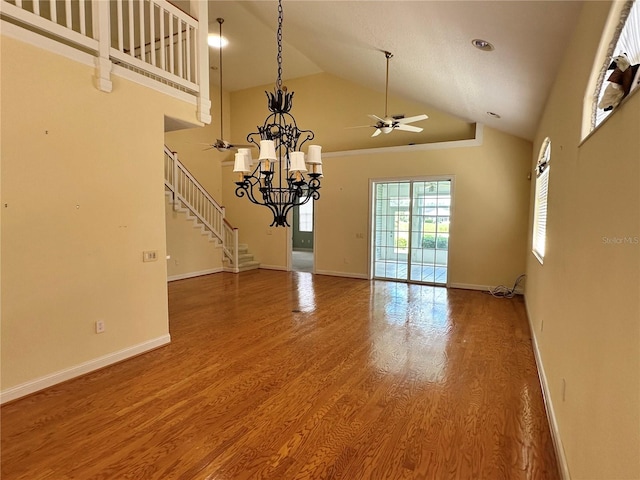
(223, 145)
(388, 123)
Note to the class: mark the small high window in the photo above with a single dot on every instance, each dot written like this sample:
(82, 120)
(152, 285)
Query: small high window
(540, 207)
(620, 73)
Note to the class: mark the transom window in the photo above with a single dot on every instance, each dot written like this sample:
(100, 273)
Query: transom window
(540, 208)
(611, 83)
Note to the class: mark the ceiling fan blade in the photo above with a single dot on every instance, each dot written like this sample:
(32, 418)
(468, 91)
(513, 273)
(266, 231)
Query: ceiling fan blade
(375, 118)
(408, 128)
(377, 132)
(224, 146)
(416, 118)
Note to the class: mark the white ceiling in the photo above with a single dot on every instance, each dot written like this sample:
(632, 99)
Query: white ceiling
(434, 62)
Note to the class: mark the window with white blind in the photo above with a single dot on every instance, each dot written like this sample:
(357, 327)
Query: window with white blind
(625, 41)
(540, 207)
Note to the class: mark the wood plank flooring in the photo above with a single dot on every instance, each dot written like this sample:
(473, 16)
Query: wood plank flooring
(278, 375)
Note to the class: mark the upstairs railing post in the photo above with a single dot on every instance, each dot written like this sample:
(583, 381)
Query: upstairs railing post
(202, 60)
(102, 30)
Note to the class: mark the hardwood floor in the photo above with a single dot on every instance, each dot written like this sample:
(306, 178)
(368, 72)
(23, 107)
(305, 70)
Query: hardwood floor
(276, 375)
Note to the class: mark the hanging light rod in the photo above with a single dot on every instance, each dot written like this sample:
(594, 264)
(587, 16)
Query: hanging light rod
(221, 144)
(282, 178)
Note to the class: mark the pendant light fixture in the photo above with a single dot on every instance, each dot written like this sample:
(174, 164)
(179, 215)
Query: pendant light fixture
(283, 177)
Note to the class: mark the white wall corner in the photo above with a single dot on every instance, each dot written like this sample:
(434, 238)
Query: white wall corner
(204, 110)
(103, 74)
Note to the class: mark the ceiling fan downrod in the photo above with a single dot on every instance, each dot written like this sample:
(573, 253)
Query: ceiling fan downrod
(386, 89)
(220, 22)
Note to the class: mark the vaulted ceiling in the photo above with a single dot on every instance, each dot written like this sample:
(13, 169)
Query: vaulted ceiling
(434, 62)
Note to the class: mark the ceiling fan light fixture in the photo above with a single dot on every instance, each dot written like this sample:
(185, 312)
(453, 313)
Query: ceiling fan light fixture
(386, 129)
(482, 45)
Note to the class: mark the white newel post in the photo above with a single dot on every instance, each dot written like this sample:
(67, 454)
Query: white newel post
(202, 62)
(101, 29)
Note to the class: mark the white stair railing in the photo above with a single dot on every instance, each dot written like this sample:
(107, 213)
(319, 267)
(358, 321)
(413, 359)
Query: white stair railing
(187, 191)
(230, 245)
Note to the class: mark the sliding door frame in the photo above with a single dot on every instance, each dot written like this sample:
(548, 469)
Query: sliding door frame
(371, 233)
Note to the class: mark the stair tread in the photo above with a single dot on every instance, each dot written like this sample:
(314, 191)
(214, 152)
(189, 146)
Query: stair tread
(243, 267)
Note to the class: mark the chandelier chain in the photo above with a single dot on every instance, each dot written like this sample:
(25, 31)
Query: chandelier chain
(279, 37)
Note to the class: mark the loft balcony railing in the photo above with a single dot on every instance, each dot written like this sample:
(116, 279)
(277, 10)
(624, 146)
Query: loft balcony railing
(151, 37)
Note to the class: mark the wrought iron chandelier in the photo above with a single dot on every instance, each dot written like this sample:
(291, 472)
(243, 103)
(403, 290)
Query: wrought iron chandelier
(282, 178)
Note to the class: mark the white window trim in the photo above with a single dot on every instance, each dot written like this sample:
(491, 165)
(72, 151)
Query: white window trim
(617, 22)
(539, 234)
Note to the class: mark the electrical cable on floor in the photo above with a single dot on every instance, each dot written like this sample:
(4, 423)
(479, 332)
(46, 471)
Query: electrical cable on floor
(503, 292)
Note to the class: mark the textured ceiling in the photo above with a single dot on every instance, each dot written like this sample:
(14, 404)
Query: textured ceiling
(434, 62)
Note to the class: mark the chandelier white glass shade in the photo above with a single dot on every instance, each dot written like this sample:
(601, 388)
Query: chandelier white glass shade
(283, 177)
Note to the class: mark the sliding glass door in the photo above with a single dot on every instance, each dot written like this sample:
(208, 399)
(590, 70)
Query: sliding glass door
(411, 230)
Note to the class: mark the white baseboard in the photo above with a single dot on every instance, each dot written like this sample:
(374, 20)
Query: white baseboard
(33, 386)
(563, 466)
(182, 276)
(470, 286)
(361, 276)
(483, 288)
(273, 267)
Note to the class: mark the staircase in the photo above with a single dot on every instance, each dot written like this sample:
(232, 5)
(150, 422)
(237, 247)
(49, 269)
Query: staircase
(245, 259)
(178, 206)
(188, 196)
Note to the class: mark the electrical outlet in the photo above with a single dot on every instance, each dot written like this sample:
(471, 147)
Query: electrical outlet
(150, 256)
(100, 326)
(541, 325)
(564, 389)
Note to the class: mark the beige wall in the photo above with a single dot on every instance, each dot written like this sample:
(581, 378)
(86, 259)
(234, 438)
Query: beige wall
(82, 191)
(330, 106)
(489, 217)
(191, 251)
(192, 146)
(489, 229)
(584, 302)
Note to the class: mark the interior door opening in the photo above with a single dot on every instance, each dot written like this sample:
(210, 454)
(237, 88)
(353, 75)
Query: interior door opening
(302, 238)
(411, 220)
